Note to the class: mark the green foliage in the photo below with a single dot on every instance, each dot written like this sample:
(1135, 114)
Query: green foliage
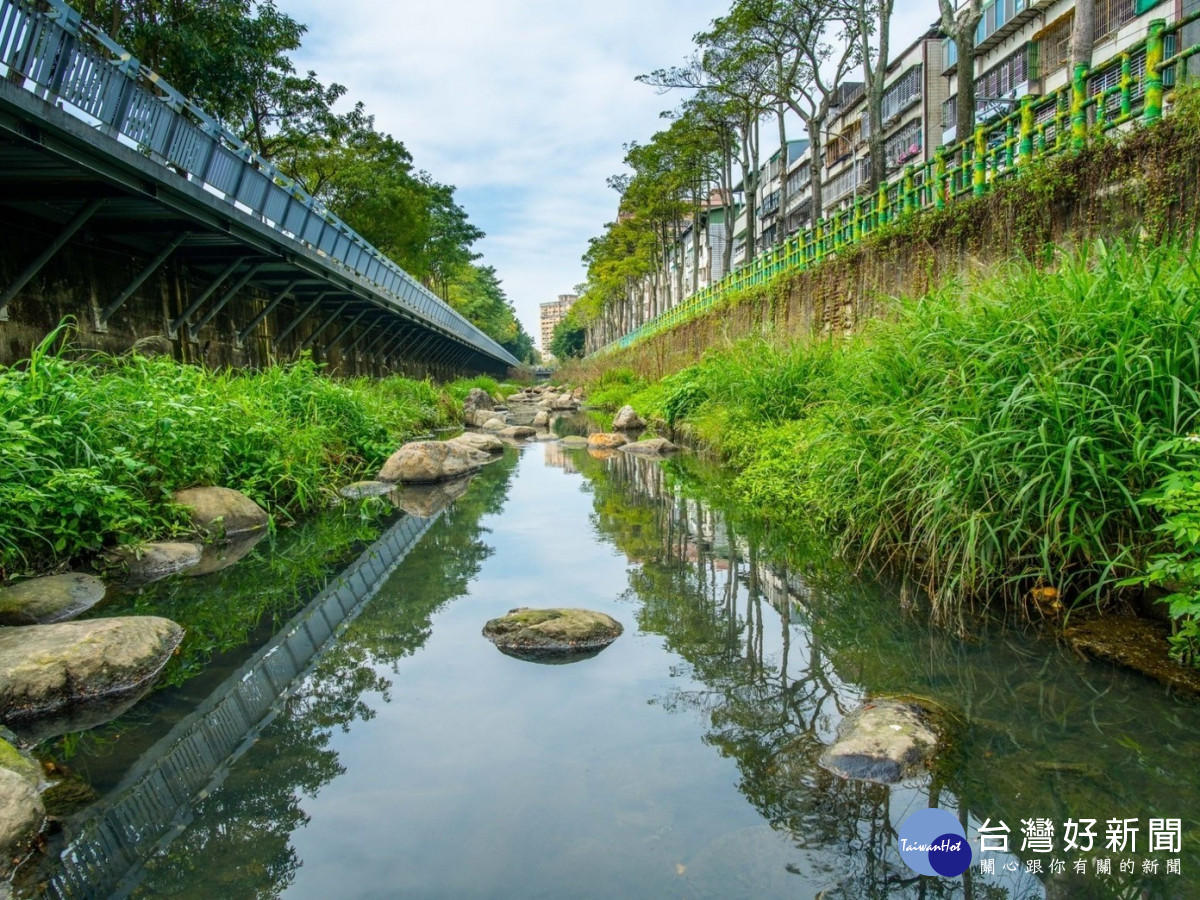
(1177, 500)
(92, 450)
(992, 437)
(568, 339)
(614, 389)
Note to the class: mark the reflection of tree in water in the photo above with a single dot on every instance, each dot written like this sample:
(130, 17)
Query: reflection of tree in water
(241, 834)
(774, 693)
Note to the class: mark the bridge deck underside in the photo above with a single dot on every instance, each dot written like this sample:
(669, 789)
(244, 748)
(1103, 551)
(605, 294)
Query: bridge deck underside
(62, 183)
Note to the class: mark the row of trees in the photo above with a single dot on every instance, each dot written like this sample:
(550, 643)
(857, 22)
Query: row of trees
(232, 57)
(753, 68)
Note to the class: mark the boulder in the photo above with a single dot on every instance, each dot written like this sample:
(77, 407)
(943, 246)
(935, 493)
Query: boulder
(53, 598)
(518, 432)
(516, 398)
(536, 633)
(485, 443)
(477, 399)
(476, 418)
(885, 741)
(423, 462)
(221, 512)
(362, 489)
(574, 442)
(22, 816)
(152, 346)
(225, 555)
(577, 393)
(565, 402)
(150, 562)
(603, 441)
(627, 419)
(542, 419)
(495, 424)
(426, 500)
(651, 447)
(44, 668)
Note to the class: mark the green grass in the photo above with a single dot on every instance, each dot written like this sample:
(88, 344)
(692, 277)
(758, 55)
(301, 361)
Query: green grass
(991, 439)
(91, 450)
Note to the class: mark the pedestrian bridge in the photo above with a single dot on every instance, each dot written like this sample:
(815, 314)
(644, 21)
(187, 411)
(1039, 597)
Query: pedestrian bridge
(99, 156)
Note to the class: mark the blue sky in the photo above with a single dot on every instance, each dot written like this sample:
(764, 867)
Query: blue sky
(522, 104)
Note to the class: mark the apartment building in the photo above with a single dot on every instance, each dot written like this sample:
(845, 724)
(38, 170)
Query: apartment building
(551, 314)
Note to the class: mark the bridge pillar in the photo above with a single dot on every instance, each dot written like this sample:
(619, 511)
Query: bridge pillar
(27, 274)
(194, 330)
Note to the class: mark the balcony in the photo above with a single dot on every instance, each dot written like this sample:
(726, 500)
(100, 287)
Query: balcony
(1001, 18)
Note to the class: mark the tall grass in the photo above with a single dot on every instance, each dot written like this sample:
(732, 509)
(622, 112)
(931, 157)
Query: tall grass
(993, 438)
(91, 450)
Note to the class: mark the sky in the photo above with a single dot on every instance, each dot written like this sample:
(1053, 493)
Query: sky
(523, 105)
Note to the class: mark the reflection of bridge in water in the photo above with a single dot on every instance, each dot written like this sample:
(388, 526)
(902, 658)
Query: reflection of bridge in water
(160, 207)
(151, 805)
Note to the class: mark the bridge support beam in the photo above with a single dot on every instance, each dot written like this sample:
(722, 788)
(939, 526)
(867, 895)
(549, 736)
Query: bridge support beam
(341, 334)
(27, 274)
(229, 295)
(363, 335)
(173, 328)
(303, 314)
(266, 311)
(140, 279)
(311, 339)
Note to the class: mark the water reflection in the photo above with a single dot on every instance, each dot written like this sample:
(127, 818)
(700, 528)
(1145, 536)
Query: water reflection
(780, 646)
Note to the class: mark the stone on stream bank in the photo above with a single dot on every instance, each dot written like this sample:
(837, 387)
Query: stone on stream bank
(218, 512)
(651, 447)
(476, 401)
(54, 598)
(602, 441)
(485, 443)
(627, 419)
(45, 668)
(541, 419)
(575, 442)
(518, 432)
(426, 462)
(539, 634)
(150, 562)
(885, 741)
(22, 813)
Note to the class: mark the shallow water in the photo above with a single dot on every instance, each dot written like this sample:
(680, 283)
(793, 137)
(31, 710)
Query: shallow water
(410, 758)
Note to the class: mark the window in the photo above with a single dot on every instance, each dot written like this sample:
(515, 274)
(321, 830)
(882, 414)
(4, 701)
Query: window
(1002, 79)
(903, 146)
(1111, 15)
(902, 94)
(1054, 45)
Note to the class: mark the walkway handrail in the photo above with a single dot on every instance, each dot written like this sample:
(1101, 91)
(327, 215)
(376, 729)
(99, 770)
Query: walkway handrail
(1093, 101)
(54, 54)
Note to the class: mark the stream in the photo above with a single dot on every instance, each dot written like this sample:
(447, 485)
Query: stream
(337, 726)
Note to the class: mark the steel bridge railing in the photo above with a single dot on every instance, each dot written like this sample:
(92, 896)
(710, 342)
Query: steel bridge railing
(1120, 91)
(49, 49)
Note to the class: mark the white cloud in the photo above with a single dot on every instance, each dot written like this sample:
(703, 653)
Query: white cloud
(522, 104)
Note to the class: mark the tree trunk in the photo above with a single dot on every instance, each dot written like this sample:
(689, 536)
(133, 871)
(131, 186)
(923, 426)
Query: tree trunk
(781, 215)
(1083, 33)
(817, 166)
(965, 122)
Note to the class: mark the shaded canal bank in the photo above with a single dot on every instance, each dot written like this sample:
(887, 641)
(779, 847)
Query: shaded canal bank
(414, 759)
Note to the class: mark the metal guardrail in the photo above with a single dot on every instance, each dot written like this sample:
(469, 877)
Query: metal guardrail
(53, 53)
(1122, 90)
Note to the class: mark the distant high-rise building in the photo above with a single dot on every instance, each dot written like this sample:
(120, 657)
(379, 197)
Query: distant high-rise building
(553, 313)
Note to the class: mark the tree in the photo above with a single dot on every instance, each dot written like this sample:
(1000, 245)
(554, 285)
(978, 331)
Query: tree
(875, 20)
(568, 339)
(959, 25)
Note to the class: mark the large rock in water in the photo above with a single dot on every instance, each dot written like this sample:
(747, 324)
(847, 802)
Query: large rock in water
(541, 419)
(650, 447)
(50, 599)
(425, 462)
(477, 400)
(484, 443)
(221, 512)
(602, 441)
(518, 432)
(885, 742)
(539, 634)
(627, 419)
(44, 668)
(21, 811)
(150, 562)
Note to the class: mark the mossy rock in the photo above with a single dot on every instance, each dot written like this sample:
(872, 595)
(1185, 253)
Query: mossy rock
(547, 633)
